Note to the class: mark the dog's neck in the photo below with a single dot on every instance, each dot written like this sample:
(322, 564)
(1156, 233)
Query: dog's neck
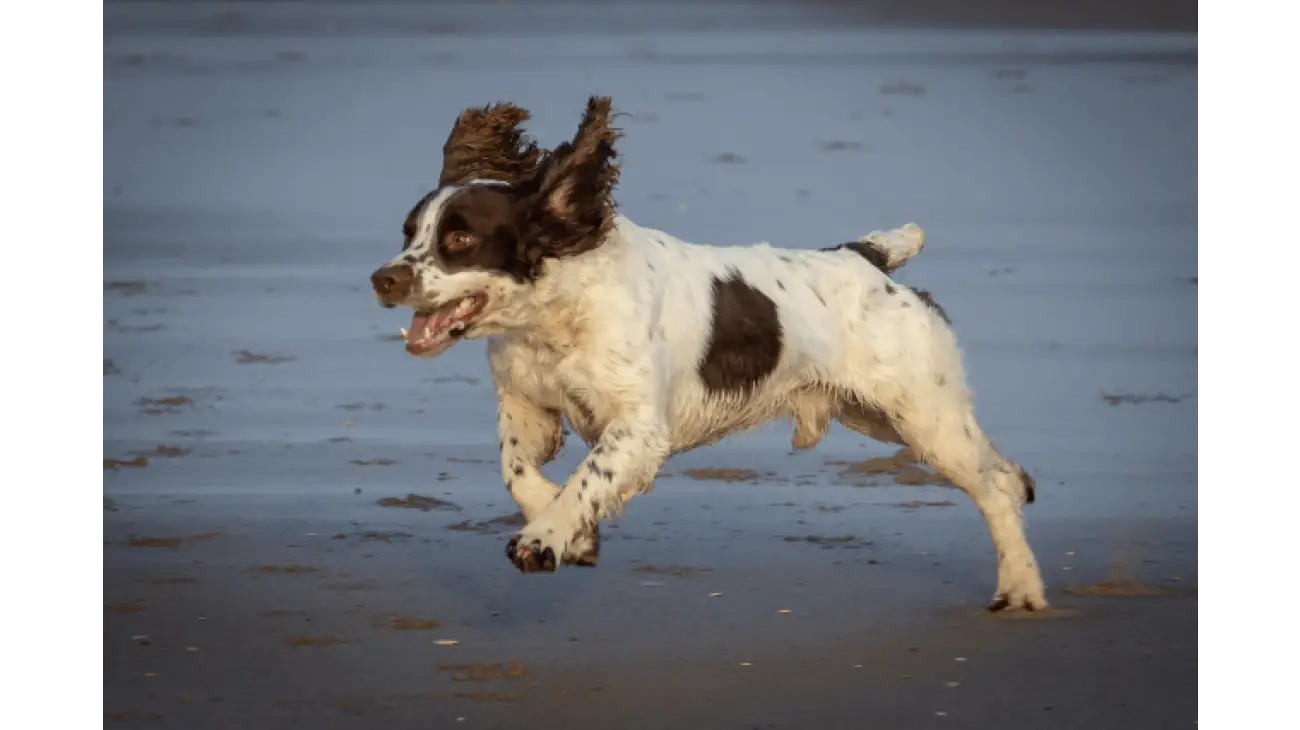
(555, 316)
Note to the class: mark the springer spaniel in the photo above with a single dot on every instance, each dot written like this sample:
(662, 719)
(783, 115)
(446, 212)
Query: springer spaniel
(649, 345)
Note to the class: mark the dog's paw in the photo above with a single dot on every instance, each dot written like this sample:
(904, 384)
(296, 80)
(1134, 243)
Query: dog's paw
(539, 548)
(530, 555)
(1020, 586)
(1018, 600)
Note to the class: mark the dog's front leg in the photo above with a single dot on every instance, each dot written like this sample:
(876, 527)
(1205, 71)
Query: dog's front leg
(530, 437)
(623, 461)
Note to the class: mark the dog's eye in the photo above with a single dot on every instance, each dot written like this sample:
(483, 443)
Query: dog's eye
(460, 241)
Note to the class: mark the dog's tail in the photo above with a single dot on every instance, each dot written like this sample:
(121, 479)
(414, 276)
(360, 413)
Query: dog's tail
(896, 246)
(887, 250)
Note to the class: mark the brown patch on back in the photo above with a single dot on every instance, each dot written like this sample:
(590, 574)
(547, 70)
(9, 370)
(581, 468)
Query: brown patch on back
(487, 143)
(745, 340)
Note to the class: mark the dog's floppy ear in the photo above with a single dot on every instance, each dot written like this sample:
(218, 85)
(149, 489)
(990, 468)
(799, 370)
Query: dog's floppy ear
(487, 143)
(569, 204)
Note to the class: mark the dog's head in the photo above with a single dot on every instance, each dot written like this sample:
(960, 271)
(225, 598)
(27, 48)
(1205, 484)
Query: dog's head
(476, 246)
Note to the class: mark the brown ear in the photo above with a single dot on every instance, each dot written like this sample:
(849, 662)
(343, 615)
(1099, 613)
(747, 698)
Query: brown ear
(570, 200)
(486, 143)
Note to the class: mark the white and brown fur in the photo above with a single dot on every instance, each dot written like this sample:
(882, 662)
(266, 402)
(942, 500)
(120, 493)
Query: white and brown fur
(649, 346)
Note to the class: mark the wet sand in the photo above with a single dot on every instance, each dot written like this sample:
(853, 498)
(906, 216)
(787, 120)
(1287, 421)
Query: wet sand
(295, 512)
(325, 611)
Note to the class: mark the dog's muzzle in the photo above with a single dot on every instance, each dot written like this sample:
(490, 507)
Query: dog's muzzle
(392, 284)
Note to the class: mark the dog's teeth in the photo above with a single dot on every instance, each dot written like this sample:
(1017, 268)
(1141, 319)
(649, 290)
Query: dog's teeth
(405, 333)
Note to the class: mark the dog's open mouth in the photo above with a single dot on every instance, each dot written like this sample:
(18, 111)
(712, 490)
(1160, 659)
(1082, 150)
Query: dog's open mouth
(432, 332)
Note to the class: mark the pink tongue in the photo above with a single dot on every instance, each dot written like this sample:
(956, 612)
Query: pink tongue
(435, 322)
(418, 323)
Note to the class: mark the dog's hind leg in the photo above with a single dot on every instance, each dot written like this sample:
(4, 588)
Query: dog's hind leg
(940, 427)
(932, 413)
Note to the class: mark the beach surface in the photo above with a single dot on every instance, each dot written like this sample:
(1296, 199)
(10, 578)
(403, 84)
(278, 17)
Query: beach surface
(305, 527)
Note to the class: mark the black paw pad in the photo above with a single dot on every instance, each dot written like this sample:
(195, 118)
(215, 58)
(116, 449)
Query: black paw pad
(1002, 602)
(530, 558)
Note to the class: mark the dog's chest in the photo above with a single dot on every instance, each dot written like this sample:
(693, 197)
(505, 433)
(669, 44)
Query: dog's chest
(546, 379)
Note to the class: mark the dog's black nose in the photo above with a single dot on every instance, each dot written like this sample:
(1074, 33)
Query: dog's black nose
(392, 284)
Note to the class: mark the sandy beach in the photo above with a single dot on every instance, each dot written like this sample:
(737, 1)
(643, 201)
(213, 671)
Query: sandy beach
(304, 527)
